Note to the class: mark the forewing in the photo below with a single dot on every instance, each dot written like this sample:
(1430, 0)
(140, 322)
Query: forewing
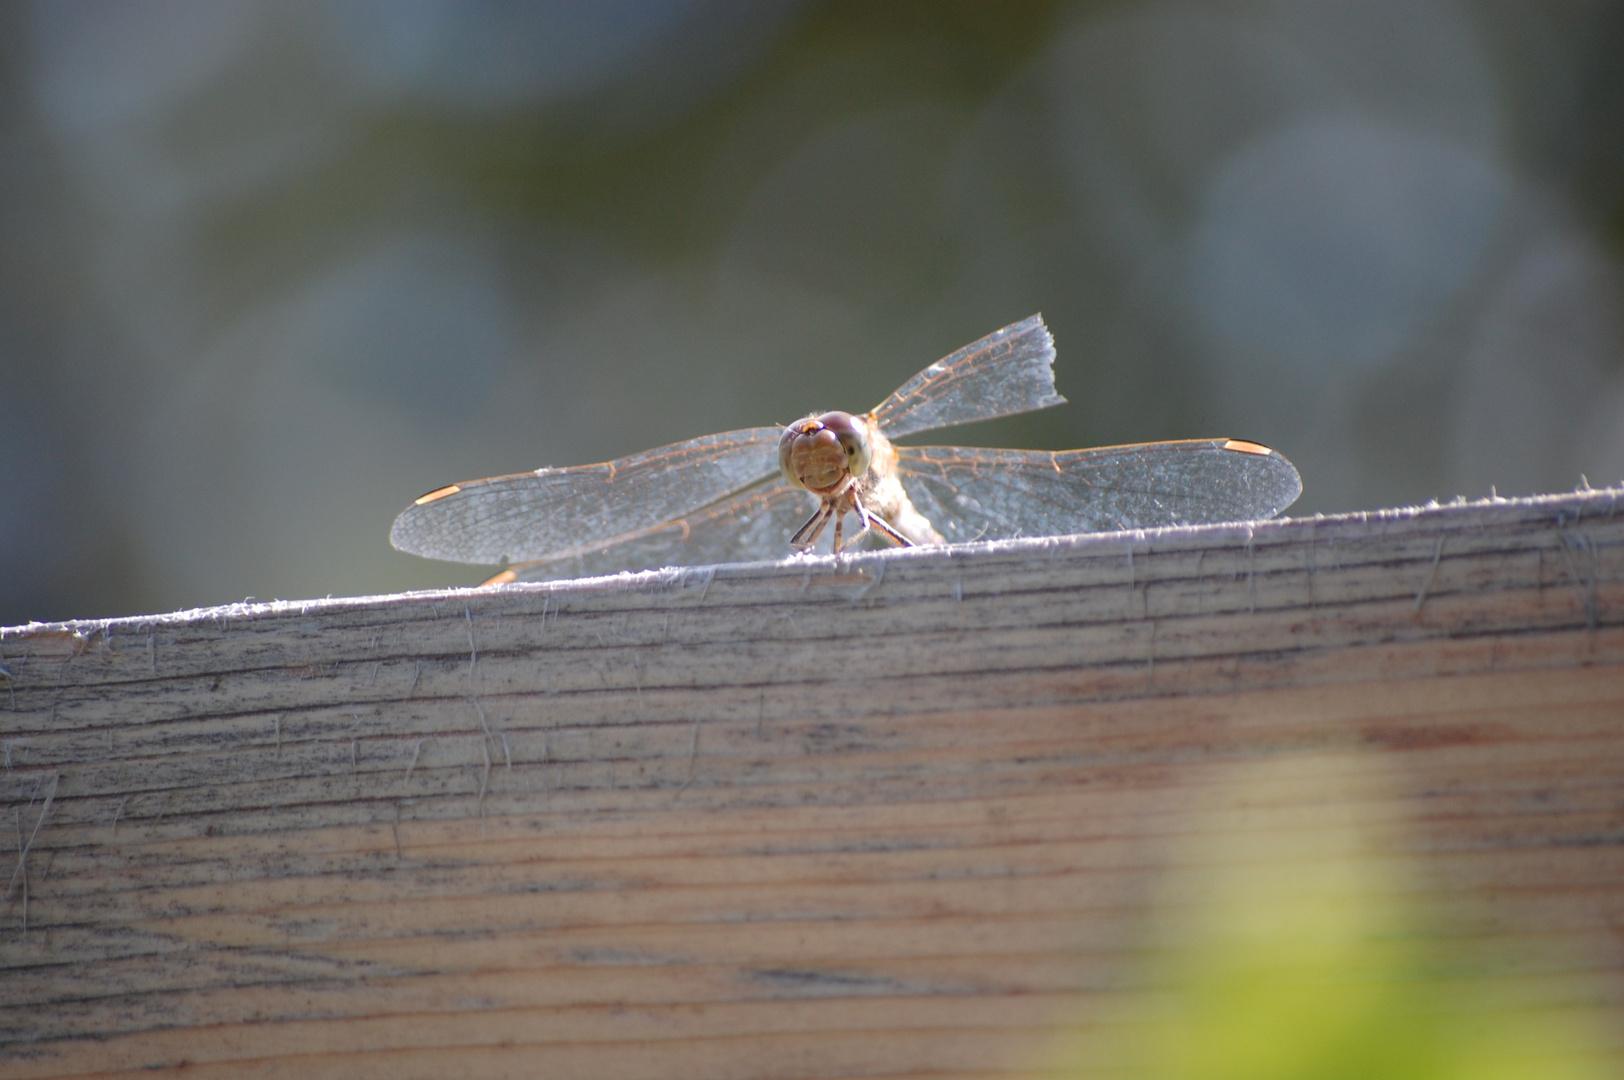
(1007, 372)
(975, 494)
(538, 515)
(753, 524)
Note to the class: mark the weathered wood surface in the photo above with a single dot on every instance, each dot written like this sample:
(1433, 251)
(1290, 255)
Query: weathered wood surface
(887, 815)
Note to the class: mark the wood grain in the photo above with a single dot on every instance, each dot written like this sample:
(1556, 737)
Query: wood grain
(895, 814)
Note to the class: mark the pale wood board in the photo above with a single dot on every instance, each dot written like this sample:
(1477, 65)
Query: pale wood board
(895, 814)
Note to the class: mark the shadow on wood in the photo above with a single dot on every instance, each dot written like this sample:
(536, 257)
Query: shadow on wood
(894, 814)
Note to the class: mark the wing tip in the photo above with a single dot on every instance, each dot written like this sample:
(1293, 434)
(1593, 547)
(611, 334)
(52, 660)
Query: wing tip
(1034, 324)
(400, 537)
(1289, 481)
(405, 533)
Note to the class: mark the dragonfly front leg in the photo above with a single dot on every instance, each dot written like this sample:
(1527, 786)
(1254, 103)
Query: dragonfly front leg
(808, 534)
(850, 502)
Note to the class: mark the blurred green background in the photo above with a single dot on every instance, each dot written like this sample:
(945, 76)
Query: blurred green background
(268, 271)
(1294, 933)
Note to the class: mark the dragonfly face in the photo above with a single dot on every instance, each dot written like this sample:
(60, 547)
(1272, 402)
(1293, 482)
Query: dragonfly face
(725, 498)
(826, 454)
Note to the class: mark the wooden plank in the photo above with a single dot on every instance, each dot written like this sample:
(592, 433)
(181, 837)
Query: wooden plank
(901, 813)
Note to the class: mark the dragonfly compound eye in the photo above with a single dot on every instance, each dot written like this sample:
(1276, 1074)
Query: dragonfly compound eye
(854, 441)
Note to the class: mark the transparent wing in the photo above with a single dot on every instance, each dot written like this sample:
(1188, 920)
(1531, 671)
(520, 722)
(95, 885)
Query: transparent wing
(975, 494)
(1008, 372)
(540, 514)
(753, 524)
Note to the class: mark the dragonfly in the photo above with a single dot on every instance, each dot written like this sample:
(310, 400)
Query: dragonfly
(768, 492)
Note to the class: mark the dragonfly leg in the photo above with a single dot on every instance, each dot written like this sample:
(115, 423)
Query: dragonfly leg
(884, 528)
(864, 518)
(874, 521)
(839, 514)
(808, 534)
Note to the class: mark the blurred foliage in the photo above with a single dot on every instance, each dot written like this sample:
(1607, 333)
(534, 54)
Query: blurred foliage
(1290, 941)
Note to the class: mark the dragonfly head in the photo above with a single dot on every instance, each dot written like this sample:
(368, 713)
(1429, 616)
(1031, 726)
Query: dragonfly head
(826, 454)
